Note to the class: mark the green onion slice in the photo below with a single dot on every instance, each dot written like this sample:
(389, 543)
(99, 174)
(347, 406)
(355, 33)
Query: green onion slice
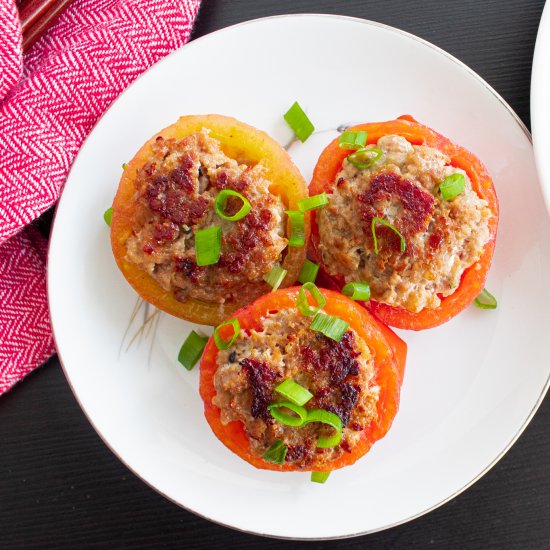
(288, 419)
(276, 453)
(224, 343)
(191, 350)
(452, 186)
(221, 201)
(387, 224)
(294, 392)
(108, 216)
(331, 419)
(319, 477)
(297, 227)
(302, 303)
(364, 158)
(208, 245)
(124, 165)
(330, 326)
(275, 277)
(313, 203)
(299, 122)
(357, 291)
(352, 140)
(308, 273)
(486, 300)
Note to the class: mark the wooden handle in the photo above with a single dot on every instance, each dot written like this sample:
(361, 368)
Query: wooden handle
(36, 16)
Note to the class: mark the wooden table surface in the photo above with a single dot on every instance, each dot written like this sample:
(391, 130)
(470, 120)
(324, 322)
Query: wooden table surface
(60, 487)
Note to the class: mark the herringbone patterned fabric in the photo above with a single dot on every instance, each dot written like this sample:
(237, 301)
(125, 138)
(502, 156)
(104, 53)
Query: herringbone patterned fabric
(11, 61)
(94, 50)
(26, 334)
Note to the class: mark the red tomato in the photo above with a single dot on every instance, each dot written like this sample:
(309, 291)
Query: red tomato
(388, 350)
(473, 279)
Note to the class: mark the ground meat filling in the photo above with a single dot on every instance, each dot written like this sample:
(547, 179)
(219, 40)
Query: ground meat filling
(443, 238)
(175, 193)
(340, 375)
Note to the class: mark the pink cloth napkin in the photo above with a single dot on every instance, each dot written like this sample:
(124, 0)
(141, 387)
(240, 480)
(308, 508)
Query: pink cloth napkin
(49, 101)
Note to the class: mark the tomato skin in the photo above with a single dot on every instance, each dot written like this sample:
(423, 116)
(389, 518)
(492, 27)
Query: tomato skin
(389, 353)
(473, 279)
(238, 140)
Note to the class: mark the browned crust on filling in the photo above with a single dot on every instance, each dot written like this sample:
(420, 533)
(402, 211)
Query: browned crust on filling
(338, 374)
(443, 237)
(175, 194)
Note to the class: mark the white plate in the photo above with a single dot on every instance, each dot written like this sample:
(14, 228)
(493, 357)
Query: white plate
(471, 386)
(540, 102)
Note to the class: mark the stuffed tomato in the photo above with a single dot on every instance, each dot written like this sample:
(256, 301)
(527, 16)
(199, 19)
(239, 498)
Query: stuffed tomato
(200, 218)
(409, 212)
(302, 388)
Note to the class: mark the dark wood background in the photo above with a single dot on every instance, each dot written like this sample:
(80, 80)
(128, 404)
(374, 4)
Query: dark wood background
(60, 487)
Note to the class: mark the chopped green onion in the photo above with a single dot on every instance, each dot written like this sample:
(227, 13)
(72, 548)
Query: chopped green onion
(486, 300)
(124, 166)
(302, 303)
(191, 350)
(387, 224)
(319, 477)
(363, 158)
(299, 122)
(357, 291)
(108, 216)
(308, 273)
(275, 277)
(352, 140)
(294, 392)
(297, 227)
(221, 201)
(330, 326)
(288, 419)
(313, 203)
(452, 186)
(208, 245)
(222, 343)
(276, 453)
(326, 417)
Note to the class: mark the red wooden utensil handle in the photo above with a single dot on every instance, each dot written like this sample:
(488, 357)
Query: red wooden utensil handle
(36, 16)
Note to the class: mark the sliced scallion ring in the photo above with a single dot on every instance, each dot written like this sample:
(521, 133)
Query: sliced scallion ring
(486, 300)
(221, 201)
(108, 216)
(352, 140)
(357, 291)
(191, 350)
(208, 245)
(330, 326)
(319, 477)
(308, 273)
(222, 343)
(275, 277)
(313, 203)
(452, 186)
(302, 303)
(297, 227)
(364, 158)
(299, 122)
(331, 419)
(376, 220)
(276, 453)
(288, 419)
(294, 392)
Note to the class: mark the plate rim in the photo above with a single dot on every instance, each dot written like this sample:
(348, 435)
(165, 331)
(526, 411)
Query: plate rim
(536, 91)
(368, 23)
